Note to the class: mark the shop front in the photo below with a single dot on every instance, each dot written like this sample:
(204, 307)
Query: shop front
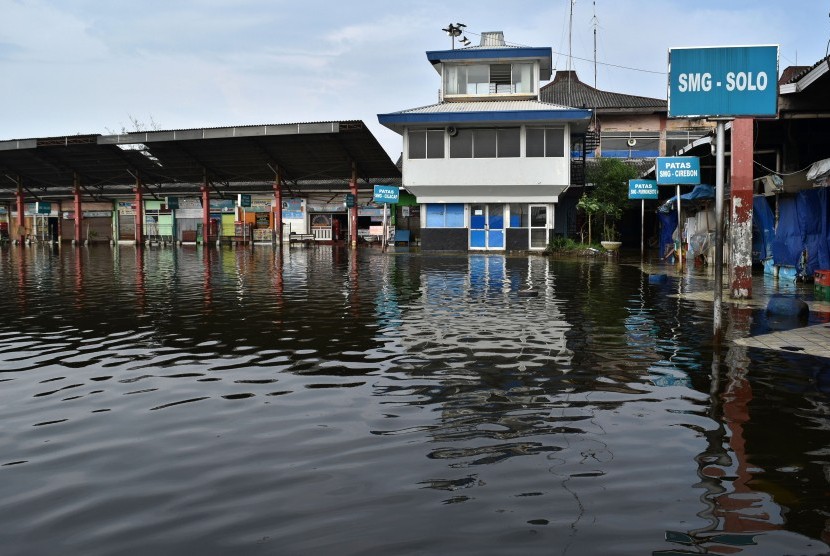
(98, 222)
(257, 212)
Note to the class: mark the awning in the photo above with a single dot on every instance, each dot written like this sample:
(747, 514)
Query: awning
(487, 193)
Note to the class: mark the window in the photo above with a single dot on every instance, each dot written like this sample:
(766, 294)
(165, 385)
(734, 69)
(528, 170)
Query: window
(518, 216)
(426, 143)
(489, 79)
(486, 143)
(547, 142)
(624, 144)
(445, 216)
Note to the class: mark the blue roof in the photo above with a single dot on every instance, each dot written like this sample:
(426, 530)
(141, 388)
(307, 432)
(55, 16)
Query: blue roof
(485, 112)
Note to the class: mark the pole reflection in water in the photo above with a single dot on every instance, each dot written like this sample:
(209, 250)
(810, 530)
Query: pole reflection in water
(324, 401)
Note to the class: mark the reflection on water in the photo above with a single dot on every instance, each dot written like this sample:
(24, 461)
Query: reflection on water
(322, 400)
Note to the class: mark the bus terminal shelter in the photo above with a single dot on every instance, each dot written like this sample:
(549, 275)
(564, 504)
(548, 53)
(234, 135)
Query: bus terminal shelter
(67, 179)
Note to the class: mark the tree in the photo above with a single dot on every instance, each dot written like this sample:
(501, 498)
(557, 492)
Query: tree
(608, 196)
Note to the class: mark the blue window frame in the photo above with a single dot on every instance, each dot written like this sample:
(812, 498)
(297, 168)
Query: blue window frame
(445, 215)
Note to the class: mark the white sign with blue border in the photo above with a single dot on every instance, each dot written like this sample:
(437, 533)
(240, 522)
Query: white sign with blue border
(677, 170)
(725, 81)
(642, 189)
(386, 194)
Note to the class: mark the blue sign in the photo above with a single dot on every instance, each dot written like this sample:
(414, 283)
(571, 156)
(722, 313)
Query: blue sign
(386, 194)
(244, 200)
(349, 201)
(724, 81)
(642, 189)
(677, 170)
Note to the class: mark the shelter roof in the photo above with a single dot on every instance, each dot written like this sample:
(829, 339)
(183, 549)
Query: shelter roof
(307, 154)
(472, 112)
(567, 89)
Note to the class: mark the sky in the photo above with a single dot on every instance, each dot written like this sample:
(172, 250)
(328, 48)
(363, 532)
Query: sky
(105, 66)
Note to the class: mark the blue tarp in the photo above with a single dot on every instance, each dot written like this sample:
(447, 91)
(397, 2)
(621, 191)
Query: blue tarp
(668, 223)
(700, 192)
(803, 228)
(763, 229)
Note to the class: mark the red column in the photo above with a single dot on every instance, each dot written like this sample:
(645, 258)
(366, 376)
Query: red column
(205, 213)
(740, 240)
(79, 215)
(21, 218)
(278, 212)
(139, 212)
(353, 211)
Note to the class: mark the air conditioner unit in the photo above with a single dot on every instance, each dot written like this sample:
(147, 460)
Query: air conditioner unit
(452, 131)
(632, 142)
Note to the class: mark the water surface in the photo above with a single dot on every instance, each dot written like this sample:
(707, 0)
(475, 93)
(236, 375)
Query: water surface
(326, 401)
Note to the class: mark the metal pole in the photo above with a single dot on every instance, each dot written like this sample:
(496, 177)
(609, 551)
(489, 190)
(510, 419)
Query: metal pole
(642, 229)
(719, 186)
(383, 241)
(679, 232)
(79, 215)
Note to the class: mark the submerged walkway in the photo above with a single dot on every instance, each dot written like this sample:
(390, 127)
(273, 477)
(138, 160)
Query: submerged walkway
(808, 340)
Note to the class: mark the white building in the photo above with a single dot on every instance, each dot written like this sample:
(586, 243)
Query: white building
(488, 162)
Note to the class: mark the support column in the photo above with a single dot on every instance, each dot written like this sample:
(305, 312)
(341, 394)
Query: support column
(205, 212)
(79, 215)
(740, 234)
(278, 212)
(139, 212)
(353, 210)
(21, 217)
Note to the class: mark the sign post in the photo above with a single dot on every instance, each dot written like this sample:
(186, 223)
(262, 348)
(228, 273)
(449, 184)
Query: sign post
(386, 194)
(677, 171)
(642, 189)
(723, 83)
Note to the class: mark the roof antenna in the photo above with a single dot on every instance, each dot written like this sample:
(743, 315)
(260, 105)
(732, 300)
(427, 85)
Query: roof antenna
(595, 22)
(570, 48)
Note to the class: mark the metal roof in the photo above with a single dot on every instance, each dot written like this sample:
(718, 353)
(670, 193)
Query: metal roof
(485, 112)
(308, 154)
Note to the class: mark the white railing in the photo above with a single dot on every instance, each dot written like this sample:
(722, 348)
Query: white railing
(321, 234)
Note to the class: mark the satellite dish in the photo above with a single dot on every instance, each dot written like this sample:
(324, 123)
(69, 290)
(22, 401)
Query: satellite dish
(632, 142)
(452, 131)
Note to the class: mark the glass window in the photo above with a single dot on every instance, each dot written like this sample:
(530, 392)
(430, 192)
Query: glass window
(417, 144)
(518, 215)
(455, 80)
(484, 143)
(522, 78)
(445, 216)
(455, 215)
(435, 143)
(461, 145)
(509, 142)
(478, 79)
(535, 142)
(435, 216)
(554, 142)
(538, 216)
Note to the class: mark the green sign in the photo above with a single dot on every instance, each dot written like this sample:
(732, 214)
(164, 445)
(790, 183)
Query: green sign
(642, 189)
(244, 200)
(44, 208)
(349, 200)
(172, 202)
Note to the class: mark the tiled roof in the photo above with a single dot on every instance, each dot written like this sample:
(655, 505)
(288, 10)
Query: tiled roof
(803, 70)
(567, 89)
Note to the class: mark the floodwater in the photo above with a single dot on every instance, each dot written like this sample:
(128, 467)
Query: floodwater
(324, 401)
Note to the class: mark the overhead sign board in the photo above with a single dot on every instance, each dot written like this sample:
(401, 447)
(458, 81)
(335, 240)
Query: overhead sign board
(44, 207)
(677, 170)
(244, 200)
(349, 201)
(386, 194)
(642, 189)
(725, 81)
